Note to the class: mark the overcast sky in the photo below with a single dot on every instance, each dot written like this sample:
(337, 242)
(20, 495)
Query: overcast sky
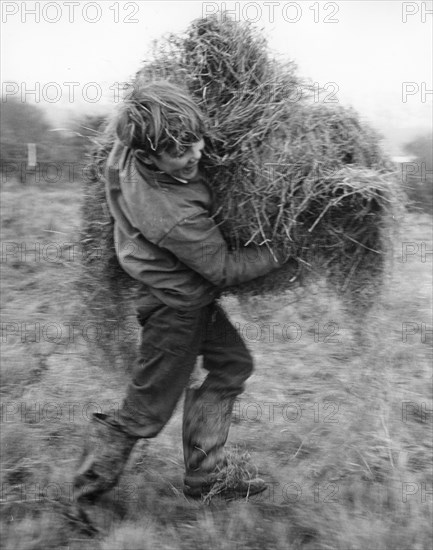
(367, 52)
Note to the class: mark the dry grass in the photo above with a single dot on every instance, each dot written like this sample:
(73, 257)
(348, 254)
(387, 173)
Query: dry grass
(238, 468)
(289, 173)
(303, 177)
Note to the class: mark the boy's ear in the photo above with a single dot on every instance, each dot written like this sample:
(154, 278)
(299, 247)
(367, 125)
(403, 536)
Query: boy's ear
(145, 159)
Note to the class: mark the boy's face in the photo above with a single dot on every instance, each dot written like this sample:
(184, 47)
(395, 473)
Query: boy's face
(183, 166)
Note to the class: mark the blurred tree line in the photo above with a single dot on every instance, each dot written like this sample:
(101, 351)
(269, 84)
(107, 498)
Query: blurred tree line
(417, 175)
(61, 154)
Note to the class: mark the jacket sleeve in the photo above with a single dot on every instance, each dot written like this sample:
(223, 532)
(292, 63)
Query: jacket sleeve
(197, 242)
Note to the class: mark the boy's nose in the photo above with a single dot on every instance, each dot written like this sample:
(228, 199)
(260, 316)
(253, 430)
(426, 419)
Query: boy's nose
(196, 154)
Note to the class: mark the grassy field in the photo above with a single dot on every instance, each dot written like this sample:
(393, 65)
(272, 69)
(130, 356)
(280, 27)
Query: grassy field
(340, 426)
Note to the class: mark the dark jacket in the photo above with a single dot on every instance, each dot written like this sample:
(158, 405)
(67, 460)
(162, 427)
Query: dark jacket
(166, 238)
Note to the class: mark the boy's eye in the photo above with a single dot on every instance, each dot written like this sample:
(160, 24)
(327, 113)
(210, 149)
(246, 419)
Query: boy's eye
(180, 152)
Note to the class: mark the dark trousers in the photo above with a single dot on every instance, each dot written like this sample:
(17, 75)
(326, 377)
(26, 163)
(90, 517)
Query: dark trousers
(171, 340)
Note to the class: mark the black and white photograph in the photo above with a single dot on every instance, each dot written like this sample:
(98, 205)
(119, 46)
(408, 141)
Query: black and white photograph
(216, 275)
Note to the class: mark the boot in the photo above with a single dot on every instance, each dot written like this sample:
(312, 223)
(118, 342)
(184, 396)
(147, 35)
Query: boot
(206, 424)
(105, 454)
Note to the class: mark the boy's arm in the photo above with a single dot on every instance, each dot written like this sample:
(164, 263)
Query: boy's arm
(197, 242)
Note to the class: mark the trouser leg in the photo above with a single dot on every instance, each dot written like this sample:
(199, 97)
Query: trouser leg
(168, 350)
(207, 411)
(170, 343)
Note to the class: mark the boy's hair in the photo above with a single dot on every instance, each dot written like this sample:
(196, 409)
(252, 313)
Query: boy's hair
(158, 117)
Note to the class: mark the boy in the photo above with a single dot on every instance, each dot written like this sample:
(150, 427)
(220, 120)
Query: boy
(166, 238)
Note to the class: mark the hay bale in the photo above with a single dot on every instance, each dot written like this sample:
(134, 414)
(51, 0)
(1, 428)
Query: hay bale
(107, 292)
(306, 178)
(287, 173)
